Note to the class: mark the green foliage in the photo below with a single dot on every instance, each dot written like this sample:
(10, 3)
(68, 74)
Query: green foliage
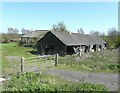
(59, 27)
(113, 38)
(6, 38)
(19, 43)
(109, 41)
(34, 44)
(36, 82)
(117, 43)
(104, 61)
(113, 43)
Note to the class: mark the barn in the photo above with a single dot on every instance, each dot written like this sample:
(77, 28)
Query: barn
(68, 43)
(30, 38)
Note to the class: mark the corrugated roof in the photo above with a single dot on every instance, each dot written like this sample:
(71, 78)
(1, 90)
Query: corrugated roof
(77, 38)
(36, 33)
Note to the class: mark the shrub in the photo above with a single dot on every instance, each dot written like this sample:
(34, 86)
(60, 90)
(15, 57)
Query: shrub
(19, 43)
(5, 41)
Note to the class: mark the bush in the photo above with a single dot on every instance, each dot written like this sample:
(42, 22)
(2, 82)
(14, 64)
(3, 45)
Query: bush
(5, 41)
(19, 43)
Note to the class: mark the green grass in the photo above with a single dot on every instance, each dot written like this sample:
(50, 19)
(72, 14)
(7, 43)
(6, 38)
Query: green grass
(11, 66)
(8, 50)
(97, 62)
(37, 82)
(103, 61)
(12, 49)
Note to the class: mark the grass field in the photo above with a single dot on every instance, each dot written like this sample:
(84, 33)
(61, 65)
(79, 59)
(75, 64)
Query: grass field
(104, 61)
(11, 54)
(12, 49)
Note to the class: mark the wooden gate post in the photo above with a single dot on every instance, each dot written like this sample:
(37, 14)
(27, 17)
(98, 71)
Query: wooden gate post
(22, 64)
(56, 59)
(80, 51)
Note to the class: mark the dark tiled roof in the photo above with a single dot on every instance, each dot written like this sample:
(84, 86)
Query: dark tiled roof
(77, 38)
(36, 33)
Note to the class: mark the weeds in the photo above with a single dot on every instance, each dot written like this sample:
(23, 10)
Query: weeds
(103, 61)
(36, 82)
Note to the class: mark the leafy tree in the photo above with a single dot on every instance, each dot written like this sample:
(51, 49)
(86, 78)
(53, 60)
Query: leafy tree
(112, 38)
(5, 38)
(114, 35)
(59, 27)
(97, 33)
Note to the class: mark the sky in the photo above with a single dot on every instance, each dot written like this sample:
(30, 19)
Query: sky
(90, 16)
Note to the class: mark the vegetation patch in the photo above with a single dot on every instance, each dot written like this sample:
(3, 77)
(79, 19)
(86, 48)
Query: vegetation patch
(36, 82)
(102, 61)
(11, 54)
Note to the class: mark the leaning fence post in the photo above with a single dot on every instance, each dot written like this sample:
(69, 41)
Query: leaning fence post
(56, 59)
(22, 64)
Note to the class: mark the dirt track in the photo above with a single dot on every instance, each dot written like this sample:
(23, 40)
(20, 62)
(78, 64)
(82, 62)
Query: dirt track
(110, 80)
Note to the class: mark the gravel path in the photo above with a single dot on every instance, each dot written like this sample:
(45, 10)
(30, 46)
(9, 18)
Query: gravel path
(110, 80)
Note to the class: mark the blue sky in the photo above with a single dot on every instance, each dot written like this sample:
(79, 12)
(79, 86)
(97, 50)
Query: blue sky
(96, 16)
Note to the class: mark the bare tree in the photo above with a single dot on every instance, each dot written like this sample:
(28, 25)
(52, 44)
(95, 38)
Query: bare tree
(10, 30)
(24, 31)
(112, 32)
(102, 34)
(11, 35)
(15, 31)
(80, 31)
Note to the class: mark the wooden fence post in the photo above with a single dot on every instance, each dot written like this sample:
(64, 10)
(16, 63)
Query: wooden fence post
(80, 51)
(22, 64)
(56, 59)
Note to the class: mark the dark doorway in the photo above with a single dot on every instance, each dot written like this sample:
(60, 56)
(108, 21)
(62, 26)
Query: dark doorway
(49, 49)
(105, 44)
(70, 50)
(94, 47)
(86, 49)
(100, 46)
